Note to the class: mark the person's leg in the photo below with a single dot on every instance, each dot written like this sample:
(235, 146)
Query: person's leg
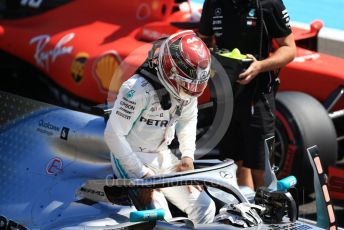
(231, 146)
(236, 141)
(261, 126)
(254, 159)
(244, 175)
(258, 178)
(159, 201)
(199, 207)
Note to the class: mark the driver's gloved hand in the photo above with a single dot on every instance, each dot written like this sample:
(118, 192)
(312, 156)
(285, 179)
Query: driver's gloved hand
(249, 212)
(241, 215)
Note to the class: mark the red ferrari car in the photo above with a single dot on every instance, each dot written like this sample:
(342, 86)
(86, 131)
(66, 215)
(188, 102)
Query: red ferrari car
(76, 53)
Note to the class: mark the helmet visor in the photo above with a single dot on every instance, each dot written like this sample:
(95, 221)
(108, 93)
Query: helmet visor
(192, 87)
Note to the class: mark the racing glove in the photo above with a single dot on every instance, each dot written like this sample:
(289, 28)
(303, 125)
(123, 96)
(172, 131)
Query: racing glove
(241, 215)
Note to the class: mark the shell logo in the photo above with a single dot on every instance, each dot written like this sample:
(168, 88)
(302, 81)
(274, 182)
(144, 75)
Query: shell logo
(78, 66)
(105, 71)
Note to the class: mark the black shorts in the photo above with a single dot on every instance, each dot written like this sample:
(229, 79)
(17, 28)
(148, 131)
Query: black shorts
(252, 122)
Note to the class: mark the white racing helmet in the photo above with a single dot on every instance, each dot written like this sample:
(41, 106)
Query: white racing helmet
(183, 65)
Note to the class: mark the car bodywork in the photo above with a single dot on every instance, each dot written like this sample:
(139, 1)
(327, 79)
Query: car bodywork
(71, 53)
(56, 174)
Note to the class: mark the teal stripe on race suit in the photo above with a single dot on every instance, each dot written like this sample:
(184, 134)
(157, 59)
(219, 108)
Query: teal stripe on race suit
(133, 193)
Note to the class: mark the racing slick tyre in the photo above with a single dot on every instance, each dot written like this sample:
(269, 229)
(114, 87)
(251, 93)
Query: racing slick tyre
(219, 109)
(301, 122)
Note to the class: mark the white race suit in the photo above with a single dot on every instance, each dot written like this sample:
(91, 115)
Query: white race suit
(138, 133)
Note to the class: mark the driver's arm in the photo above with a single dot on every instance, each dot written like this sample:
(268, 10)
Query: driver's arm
(186, 132)
(121, 120)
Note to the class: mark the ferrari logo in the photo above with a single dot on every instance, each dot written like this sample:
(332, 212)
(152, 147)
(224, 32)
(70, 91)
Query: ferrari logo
(78, 66)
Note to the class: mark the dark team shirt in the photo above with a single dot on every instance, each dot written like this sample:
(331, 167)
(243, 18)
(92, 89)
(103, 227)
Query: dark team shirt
(237, 24)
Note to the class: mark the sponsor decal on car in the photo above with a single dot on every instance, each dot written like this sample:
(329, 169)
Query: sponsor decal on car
(106, 72)
(54, 166)
(225, 174)
(46, 127)
(44, 57)
(307, 57)
(151, 34)
(92, 191)
(64, 133)
(78, 66)
(336, 182)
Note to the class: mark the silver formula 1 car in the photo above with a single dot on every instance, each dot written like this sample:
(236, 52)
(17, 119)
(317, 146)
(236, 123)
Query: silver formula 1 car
(55, 173)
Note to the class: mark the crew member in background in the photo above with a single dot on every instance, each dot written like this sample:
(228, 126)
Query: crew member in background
(250, 26)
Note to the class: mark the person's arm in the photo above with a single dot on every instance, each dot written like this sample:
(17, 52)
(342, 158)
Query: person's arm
(277, 21)
(282, 56)
(186, 130)
(131, 100)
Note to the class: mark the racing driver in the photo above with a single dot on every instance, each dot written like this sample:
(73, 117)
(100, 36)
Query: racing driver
(157, 102)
